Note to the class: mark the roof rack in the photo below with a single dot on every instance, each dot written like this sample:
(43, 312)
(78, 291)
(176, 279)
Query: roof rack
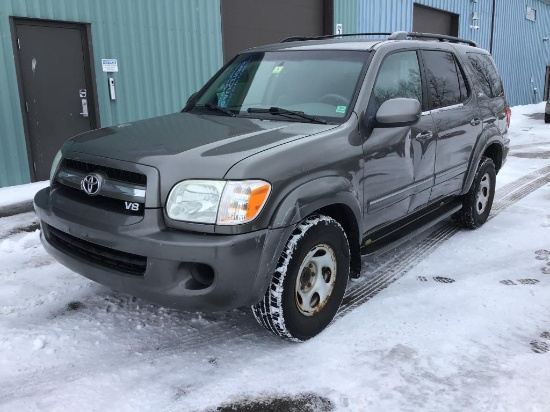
(398, 35)
(332, 36)
(403, 35)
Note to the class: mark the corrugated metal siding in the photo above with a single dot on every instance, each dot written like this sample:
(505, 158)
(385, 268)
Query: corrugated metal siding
(165, 49)
(345, 13)
(519, 50)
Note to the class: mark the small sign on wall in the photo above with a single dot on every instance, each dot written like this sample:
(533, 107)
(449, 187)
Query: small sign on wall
(531, 14)
(109, 65)
(339, 29)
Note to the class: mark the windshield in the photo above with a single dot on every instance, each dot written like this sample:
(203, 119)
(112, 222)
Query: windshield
(319, 83)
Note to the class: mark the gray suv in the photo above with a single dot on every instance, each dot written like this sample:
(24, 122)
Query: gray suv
(291, 165)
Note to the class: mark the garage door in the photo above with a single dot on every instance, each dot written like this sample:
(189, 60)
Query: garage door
(249, 23)
(428, 20)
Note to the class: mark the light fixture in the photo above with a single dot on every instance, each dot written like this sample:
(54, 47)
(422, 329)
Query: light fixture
(475, 16)
(474, 27)
(545, 39)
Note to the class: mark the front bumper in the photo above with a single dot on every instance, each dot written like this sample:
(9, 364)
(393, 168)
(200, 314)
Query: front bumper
(241, 264)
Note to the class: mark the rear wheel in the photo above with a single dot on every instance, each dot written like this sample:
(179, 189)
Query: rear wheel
(309, 283)
(477, 203)
(546, 118)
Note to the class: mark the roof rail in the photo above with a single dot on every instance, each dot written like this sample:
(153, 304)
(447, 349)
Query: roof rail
(403, 35)
(398, 35)
(331, 36)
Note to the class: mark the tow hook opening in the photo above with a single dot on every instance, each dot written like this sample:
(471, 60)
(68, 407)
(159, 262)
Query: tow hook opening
(202, 274)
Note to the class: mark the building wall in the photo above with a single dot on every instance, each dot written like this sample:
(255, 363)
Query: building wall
(519, 51)
(165, 49)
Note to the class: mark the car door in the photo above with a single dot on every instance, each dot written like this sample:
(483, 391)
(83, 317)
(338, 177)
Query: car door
(399, 161)
(457, 119)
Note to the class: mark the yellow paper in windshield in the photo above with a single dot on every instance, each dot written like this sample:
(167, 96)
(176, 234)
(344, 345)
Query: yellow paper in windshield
(277, 69)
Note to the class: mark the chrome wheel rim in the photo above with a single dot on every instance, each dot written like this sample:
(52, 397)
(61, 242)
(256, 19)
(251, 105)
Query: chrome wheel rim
(316, 279)
(482, 197)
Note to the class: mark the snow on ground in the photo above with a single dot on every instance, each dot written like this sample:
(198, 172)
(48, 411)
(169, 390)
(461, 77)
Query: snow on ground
(17, 194)
(466, 329)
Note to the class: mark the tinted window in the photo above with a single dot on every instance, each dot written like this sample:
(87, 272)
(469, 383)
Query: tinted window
(399, 76)
(487, 75)
(464, 89)
(443, 79)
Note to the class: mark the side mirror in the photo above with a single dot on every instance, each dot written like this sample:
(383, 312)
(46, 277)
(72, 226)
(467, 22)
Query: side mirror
(191, 98)
(398, 113)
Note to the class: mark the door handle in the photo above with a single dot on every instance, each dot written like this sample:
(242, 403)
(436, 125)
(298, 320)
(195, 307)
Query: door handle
(476, 121)
(84, 112)
(424, 136)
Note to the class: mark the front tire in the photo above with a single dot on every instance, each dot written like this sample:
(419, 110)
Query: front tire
(546, 118)
(477, 203)
(308, 285)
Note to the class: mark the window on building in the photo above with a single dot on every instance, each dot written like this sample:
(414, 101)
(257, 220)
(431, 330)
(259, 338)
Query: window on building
(399, 76)
(531, 14)
(487, 74)
(444, 79)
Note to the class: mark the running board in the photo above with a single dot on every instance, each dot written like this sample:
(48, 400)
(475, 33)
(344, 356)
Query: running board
(387, 239)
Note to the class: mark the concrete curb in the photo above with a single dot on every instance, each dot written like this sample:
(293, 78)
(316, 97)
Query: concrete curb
(16, 208)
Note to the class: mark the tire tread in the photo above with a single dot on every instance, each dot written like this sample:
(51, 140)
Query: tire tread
(269, 311)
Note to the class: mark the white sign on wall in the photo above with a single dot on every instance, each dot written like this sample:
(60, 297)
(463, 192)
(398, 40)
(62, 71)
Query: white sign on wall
(339, 29)
(109, 65)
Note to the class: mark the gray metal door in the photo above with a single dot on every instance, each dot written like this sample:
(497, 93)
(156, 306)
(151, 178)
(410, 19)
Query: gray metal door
(547, 84)
(250, 23)
(429, 20)
(55, 85)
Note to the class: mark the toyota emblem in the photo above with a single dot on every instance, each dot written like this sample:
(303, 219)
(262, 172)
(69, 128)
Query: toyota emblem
(91, 184)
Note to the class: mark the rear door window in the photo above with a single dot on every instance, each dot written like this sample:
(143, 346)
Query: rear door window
(445, 79)
(487, 74)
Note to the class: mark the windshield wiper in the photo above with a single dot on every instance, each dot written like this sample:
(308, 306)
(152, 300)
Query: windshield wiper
(215, 108)
(284, 112)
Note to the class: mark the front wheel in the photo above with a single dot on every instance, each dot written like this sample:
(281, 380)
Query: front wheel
(477, 203)
(546, 118)
(309, 283)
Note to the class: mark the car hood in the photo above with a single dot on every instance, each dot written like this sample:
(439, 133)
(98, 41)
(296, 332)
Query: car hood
(185, 146)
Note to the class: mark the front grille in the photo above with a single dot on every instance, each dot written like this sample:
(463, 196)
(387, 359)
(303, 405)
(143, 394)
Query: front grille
(107, 204)
(120, 191)
(112, 173)
(100, 255)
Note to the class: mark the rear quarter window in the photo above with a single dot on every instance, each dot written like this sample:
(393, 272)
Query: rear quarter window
(487, 75)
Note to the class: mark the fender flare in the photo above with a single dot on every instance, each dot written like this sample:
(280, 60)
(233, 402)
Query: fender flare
(297, 205)
(486, 139)
(314, 195)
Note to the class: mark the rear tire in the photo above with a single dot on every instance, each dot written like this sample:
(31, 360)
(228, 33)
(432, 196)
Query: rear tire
(308, 285)
(477, 203)
(546, 118)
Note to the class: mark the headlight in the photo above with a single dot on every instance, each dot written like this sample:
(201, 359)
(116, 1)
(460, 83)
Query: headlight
(216, 201)
(55, 165)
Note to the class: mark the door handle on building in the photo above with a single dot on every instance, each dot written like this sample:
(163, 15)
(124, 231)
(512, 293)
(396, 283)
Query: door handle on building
(84, 112)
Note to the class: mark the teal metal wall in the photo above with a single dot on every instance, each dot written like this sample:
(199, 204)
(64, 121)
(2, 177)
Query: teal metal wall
(519, 50)
(166, 50)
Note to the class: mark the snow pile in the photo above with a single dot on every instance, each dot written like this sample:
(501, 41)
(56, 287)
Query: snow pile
(18, 194)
